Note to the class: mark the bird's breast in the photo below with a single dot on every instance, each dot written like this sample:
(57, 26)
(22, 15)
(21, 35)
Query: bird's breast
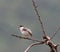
(24, 32)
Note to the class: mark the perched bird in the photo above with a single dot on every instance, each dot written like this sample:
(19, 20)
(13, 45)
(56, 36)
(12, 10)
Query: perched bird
(26, 32)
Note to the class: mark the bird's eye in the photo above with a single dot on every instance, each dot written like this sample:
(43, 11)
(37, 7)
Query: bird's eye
(21, 25)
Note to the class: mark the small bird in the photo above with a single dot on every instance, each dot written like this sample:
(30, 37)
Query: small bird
(26, 32)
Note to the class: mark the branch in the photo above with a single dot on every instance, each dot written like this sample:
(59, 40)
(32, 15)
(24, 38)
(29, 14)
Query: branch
(52, 49)
(55, 33)
(39, 18)
(37, 43)
(53, 46)
(21, 37)
(47, 41)
(56, 47)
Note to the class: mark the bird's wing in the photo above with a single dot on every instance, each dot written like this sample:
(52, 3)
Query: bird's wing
(28, 30)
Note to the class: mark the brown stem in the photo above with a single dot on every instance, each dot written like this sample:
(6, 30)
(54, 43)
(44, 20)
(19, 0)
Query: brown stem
(21, 37)
(37, 43)
(55, 33)
(39, 18)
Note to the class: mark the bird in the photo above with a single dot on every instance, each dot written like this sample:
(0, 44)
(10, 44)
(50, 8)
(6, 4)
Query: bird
(26, 32)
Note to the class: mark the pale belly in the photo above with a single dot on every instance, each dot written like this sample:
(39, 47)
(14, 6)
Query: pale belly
(25, 33)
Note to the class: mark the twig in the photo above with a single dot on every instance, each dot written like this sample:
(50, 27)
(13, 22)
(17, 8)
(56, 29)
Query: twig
(37, 43)
(55, 33)
(21, 37)
(35, 8)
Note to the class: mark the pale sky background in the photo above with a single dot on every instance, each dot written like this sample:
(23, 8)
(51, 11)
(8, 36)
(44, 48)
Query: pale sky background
(17, 12)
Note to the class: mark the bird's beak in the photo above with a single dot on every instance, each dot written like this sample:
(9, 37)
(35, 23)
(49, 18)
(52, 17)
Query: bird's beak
(18, 26)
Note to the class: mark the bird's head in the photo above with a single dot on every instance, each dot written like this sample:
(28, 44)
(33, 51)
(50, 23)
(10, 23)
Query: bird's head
(20, 26)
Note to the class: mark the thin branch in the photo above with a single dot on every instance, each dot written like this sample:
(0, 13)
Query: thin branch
(47, 38)
(37, 43)
(51, 49)
(56, 47)
(55, 33)
(21, 37)
(39, 18)
(47, 41)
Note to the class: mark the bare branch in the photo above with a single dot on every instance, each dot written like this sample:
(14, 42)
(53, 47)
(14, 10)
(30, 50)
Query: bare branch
(53, 46)
(51, 49)
(55, 33)
(56, 47)
(21, 37)
(39, 18)
(37, 43)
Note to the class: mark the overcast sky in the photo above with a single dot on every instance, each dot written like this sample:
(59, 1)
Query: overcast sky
(17, 12)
